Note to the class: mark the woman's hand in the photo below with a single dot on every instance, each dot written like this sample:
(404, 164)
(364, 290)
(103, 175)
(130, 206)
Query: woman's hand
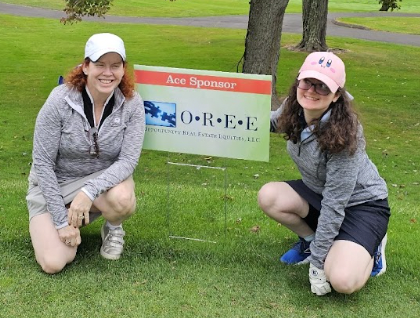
(70, 236)
(79, 210)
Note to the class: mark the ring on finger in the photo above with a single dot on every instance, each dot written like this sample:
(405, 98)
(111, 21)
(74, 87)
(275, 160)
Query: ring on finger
(68, 242)
(81, 217)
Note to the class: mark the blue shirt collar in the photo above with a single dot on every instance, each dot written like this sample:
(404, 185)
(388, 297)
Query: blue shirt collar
(307, 132)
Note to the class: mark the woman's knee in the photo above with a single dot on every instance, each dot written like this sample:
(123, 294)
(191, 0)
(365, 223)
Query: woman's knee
(123, 202)
(347, 266)
(50, 253)
(53, 264)
(279, 197)
(345, 282)
(267, 196)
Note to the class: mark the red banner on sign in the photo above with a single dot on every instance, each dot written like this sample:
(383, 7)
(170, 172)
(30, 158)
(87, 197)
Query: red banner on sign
(230, 84)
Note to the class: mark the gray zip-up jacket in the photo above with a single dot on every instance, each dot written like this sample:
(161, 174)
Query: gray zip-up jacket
(62, 143)
(343, 180)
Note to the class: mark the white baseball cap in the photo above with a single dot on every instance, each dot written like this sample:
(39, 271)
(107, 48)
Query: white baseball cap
(102, 43)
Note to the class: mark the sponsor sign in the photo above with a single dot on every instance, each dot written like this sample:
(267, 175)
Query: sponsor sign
(206, 112)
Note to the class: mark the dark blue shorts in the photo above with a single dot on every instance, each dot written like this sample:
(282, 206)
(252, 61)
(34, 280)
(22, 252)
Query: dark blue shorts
(365, 224)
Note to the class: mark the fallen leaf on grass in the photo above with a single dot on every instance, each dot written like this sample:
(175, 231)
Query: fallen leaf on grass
(255, 229)
(137, 283)
(227, 197)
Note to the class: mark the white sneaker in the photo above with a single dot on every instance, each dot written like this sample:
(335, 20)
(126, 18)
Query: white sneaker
(112, 242)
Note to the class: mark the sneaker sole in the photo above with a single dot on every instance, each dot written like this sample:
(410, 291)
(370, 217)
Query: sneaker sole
(383, 245)
(109, 256)
(303, 262)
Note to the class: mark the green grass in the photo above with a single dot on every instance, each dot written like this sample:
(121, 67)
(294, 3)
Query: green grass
(390, 24)
(191, 8)
(195, 8)
(407, 6)
(240, 275)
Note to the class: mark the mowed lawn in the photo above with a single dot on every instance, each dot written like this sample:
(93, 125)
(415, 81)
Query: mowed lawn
(239, 276)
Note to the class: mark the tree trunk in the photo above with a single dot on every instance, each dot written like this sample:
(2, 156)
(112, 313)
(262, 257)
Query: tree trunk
(314, 18)
(385, 7)
(262, 43)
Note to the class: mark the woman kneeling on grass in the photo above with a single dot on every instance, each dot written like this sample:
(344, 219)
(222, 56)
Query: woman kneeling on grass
(87, 143)
(339, 209)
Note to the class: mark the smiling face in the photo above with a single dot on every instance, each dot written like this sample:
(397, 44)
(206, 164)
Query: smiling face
(314, 104)
(104, 75)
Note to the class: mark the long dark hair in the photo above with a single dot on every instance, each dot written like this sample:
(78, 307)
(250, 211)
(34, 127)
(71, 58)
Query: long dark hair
(337, 134)
(78, 79)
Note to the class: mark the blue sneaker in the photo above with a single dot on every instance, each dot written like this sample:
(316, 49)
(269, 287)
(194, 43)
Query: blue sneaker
(379, 261)
(298, 253)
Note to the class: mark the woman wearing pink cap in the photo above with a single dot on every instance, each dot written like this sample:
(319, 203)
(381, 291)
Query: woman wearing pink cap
(87, 142)
(339, 209)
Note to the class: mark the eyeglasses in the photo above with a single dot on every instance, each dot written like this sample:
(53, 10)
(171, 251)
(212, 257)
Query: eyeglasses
(319, 88)
(94, 148)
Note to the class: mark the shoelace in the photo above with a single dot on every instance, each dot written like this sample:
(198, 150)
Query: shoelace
(303, 246)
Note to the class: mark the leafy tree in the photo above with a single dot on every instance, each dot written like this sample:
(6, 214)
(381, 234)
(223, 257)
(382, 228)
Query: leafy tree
(76, 9)
(389, 4)
(314, 18)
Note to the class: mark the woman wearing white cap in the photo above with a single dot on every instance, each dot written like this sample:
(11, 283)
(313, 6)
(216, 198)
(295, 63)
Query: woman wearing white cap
(339, 208)
(87, 142)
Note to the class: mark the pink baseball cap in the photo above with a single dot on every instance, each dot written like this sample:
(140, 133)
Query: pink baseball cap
(326, 67)
(102, 43)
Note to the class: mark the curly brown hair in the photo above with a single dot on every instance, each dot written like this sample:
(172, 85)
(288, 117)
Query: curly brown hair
(77, 79)
(337, 134)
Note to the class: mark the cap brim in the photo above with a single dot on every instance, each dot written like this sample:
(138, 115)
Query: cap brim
(321, 77)
(97, 55)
